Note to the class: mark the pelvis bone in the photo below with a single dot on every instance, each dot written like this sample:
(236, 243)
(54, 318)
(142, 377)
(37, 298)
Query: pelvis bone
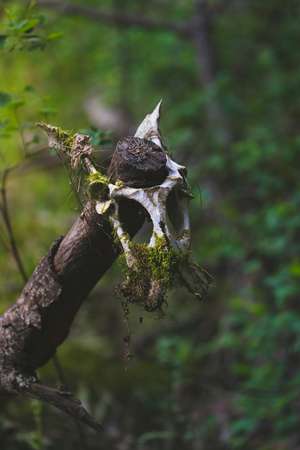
(153, 267)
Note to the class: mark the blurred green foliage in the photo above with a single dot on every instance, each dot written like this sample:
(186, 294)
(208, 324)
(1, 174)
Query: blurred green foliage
(219, 375)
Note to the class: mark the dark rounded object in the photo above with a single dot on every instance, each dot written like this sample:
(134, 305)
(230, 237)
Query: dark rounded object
(138, 163)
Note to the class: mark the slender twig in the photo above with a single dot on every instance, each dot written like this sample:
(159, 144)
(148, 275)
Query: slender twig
(63, 401)
(2, 239)
(8, 225)
(59, 370)
(63, 381)
(114, 18)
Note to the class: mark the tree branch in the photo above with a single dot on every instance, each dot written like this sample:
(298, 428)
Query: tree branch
(120, 20)
(4, 208)
(7, 221)
(64, 401)
(40, 320)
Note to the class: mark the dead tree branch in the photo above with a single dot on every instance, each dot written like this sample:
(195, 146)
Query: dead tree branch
(63, 401)
(120, 20)
(40, 320)
(4, 209)
(13, 248)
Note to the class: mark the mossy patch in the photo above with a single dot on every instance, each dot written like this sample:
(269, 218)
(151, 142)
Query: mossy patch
(66, 138)
(59, 138)
(98, 185)
(153, 274)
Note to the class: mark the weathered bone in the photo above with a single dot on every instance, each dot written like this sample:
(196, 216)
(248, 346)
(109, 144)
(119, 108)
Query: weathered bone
(149, 128)
(154, 201)
(167, 206)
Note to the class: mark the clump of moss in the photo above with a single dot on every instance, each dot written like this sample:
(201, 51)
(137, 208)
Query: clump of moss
(119, 183)
(61, 140)
(65, 137)
(98, 185)
(155, 270)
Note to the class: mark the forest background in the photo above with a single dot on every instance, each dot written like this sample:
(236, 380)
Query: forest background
(221, 374)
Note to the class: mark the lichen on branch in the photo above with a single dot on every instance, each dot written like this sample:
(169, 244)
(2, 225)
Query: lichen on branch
(98, 185)
(75, 146)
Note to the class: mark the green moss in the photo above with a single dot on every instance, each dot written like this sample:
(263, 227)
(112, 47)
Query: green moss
(119, 183)
(97, 178)
(65, 138)
(154, 272)
(160, 260)
(98, 185)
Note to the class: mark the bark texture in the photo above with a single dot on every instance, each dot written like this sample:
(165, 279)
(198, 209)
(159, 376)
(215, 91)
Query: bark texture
(40, 320)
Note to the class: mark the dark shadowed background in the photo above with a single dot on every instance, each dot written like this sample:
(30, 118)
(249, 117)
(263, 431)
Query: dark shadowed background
(221, 374)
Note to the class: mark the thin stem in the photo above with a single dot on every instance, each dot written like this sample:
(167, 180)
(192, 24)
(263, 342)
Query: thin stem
(63, 381)
(9, 228)
(2, 239)
(64, 402)
(59, 371)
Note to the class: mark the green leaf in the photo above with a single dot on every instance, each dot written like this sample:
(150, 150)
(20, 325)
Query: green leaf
(54, 36)
(26, 25)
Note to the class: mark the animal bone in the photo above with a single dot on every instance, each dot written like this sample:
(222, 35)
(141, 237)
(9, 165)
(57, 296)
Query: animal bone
(170, 198)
